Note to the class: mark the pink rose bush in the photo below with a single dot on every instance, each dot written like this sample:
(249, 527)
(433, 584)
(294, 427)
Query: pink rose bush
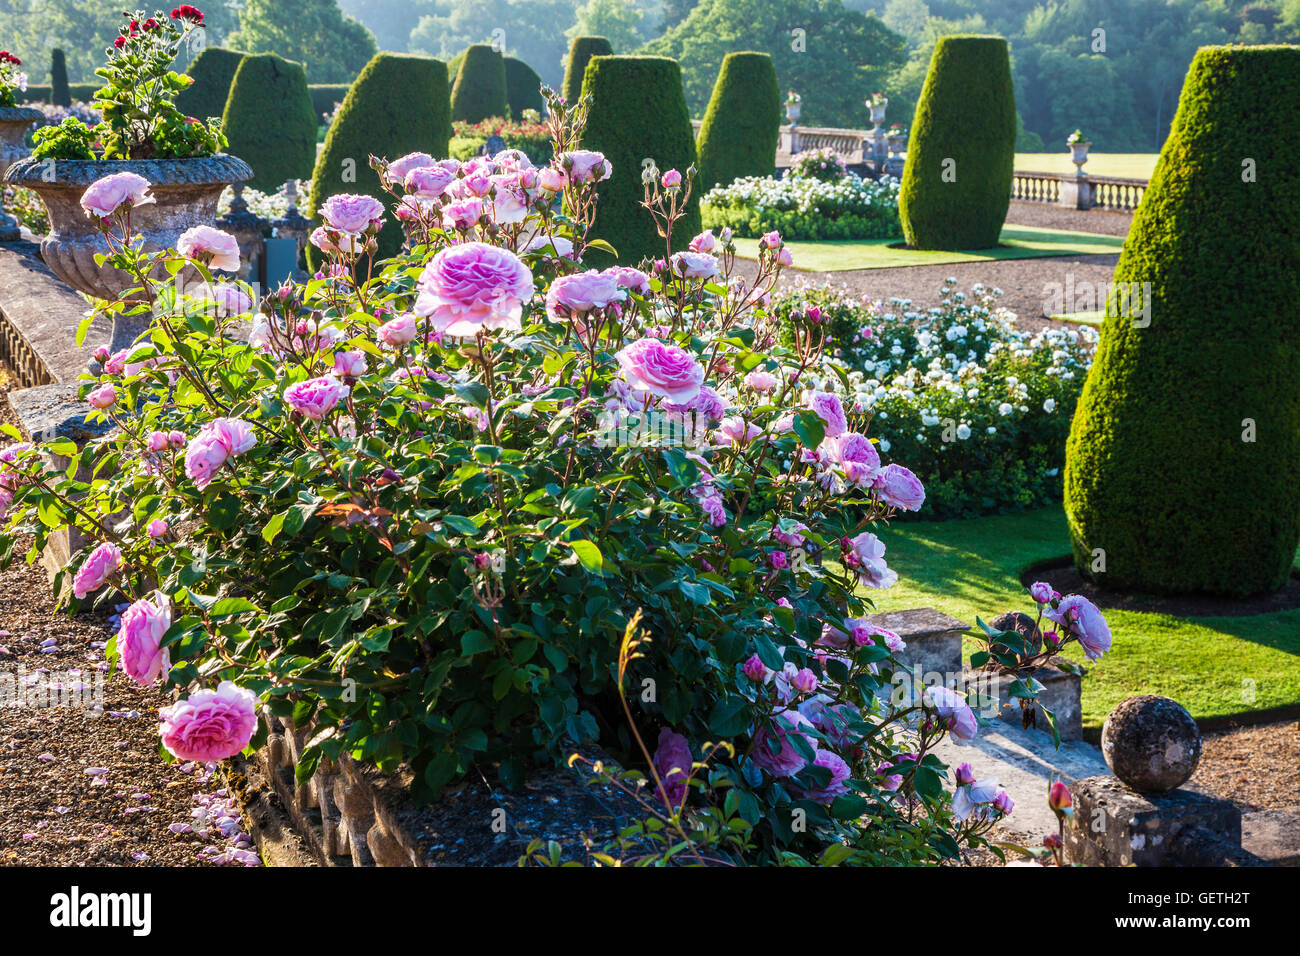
(456, 509)
(212, 247)
(105, 197)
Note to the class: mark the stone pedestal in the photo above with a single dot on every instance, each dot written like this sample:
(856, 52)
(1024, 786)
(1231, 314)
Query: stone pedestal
(789, 139)
(933, 641)
(1114, 825)
(1061, 694)
(1076, 192)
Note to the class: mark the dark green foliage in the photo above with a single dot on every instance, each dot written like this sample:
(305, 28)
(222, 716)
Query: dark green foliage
(43, 93)
(325, 95)
(269, 120)
(743, 121)
(213, 71)
(581, 50)
(453, 69)
(523, 88)
(960, 159)
(480, 85)
(398, 105)
(59, 93)
(1162, 470)
(638, 111)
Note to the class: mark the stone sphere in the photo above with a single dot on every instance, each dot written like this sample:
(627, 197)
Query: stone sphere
(1023, 625)
(1151, 743)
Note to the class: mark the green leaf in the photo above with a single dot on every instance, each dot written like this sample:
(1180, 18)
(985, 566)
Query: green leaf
(475, 642)
(588, 554)
(810, 428)
(227, 606)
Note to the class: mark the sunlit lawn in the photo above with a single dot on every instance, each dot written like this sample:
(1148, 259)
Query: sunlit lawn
(1122, 165)
(1212, 666)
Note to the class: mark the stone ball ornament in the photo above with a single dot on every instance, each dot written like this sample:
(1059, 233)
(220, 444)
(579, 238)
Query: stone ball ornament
(1151, 743)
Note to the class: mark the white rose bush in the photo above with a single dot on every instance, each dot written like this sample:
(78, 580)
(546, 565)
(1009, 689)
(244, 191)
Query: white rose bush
(413, 505)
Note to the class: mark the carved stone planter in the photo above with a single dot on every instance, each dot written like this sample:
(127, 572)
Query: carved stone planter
(14, 121)
(1079, 154)
(792, 111)
(186, 193)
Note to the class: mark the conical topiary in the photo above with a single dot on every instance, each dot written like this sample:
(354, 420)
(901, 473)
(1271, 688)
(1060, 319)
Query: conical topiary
(60, 95)
(1183, 463)
(480, 86)
(398, 105)
(743, 122)
(213, 71)
(957, 178)
(581, 50)
(638, 112)
(523, 88)
(269, 120)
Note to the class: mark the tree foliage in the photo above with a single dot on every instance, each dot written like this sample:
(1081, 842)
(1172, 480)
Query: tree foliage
(333, 48)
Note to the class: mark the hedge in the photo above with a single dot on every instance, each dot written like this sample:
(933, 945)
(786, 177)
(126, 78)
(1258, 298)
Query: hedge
(324, 96)
(43, 92)
(581, 50)
(398, 105)
(269, 121)
(1183, 462)
(213, 71)
(742, 123)
(957, 177)
(638, 111)
(480, 85)
(60, 95)
(523, 89)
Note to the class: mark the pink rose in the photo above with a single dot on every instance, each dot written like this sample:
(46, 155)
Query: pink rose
(581, 293)
(671, 180)
(563, 247)
(704, 242)
(761, 380)
(157, 528)
(584, 165)
(400, 168)
(828, 407)
(855, 455)
(897, 486)
(664, 370)
(755, 669)
(105, 196)
(508, 202)
(352, 214)
(787, 761)
(316, 397)
(350, 364)
(629, 278)
(157, 441)
(734, 431)
(837, 785)
(462, 215)
(216, 249)
(218, 441)
(103, 563)
(694, 265)
(1083, 619)
(139, 640)
(770, 240)
(551, 180)
(474, 287)
(673, 764)
(103, 397)
(866, 555)
(953, 711)
(320, 238)
(1041, 592)
(398, 331)
(210, 724)
(230, 299)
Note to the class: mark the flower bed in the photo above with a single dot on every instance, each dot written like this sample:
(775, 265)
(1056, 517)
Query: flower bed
(534, 139)
(805, 208)
(470, 508)
(978, 408)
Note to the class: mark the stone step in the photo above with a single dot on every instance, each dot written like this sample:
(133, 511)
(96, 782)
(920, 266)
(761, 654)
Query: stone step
(1273, 835)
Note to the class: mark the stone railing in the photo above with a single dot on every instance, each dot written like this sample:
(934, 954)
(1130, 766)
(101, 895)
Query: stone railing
(851, 145)
(1112, 193)
(1035, 187)
(1078, 190)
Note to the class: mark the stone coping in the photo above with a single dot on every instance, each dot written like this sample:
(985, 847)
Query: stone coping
(918, 622)
(39, 316)
(19, 114)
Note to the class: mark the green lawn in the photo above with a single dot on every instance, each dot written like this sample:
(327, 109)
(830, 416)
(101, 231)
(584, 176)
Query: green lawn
(1122, 165)
(1018, 242)
(1209, 665)
(1095, 317)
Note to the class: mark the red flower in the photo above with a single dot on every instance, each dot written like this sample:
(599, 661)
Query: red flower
(120, 42)
(187, 12)
(152, 24)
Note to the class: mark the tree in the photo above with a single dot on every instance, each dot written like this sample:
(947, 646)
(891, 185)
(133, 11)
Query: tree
(59, 94)
(390, 21)
(523, 88)
(638, 111)
(957, 179)
(1183, 463)
(581, 50)
(333, 48)
(480, 89)
(531, 30)
(837, 59)
(743, 122)
(618, 21)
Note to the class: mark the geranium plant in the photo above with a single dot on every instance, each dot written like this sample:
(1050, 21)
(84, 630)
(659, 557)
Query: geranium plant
(12, 80)
(137, 101)
(473, 506)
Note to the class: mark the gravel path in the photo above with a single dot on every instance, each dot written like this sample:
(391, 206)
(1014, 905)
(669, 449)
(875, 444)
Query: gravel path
(1024, 282)
(81, 780)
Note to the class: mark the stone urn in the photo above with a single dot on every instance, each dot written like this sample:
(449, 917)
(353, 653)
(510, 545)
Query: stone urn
(878, 111)
(792, 111)
(14, 121)
(897, 142)
(185, 191)
(1079, 154)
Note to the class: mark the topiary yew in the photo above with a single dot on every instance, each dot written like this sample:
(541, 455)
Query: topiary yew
(523, 88)
(213, 72)
(398, 105)
(957, 179)
(638, 112)
(269, 120)
(480, 85)
(1183, 462)
(60, 95)
(581, 50)
(743, 122)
